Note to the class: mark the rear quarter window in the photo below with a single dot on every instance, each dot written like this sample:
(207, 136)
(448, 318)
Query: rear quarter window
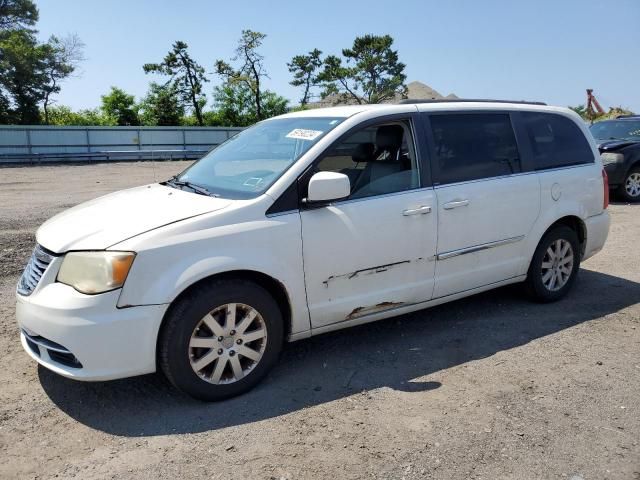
(556, 141)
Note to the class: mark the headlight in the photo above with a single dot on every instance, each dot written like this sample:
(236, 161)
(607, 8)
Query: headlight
(95, 272)
(608, 158)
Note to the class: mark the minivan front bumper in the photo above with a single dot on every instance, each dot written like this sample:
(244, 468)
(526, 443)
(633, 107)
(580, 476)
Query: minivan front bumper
(86, 337)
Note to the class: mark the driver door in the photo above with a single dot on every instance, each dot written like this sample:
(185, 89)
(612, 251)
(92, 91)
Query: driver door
(374, 251)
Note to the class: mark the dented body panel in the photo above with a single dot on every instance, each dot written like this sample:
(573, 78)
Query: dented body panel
(359, 255)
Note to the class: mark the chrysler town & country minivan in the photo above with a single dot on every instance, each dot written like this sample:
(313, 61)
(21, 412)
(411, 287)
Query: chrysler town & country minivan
(310, 222)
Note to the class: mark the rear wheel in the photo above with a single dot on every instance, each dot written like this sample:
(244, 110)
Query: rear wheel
(221, 339)
(555, 265)
(630, 188)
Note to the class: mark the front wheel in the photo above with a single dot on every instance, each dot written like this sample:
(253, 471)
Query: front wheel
(630, 188)
(221, 339)
(555, 265)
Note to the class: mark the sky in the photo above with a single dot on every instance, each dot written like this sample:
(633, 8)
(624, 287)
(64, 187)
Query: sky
(539, 50)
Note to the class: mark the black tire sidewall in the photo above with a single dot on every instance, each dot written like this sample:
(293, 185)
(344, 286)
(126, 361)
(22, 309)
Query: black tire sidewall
(534, 276)
(185, 315)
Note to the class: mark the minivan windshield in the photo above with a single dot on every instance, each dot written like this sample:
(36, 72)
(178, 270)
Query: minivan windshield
(247, 164)
(616, 130)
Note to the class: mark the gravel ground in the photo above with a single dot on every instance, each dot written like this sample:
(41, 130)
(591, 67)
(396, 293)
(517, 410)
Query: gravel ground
(490, 387)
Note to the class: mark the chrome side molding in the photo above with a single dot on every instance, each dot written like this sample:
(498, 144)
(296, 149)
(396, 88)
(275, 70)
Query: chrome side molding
(478, 248)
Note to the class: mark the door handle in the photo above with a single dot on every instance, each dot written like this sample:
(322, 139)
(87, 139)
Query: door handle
(417, 211)
(455, 204)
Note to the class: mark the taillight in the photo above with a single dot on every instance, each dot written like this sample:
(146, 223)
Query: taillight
(605, 186)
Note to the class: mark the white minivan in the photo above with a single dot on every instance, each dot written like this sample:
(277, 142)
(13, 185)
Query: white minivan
(310, 222)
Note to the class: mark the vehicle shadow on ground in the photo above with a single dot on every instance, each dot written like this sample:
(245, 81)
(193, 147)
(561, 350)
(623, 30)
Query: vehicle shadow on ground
(624, 203)
(390, 353)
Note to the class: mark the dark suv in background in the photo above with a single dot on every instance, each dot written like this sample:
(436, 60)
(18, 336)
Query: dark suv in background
(619, 143)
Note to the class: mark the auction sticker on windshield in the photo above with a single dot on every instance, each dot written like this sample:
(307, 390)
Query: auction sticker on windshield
(303, 134)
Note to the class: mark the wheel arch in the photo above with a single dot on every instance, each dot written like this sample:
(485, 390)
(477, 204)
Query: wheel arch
(633, 164)
(576, 224)
(270, 284)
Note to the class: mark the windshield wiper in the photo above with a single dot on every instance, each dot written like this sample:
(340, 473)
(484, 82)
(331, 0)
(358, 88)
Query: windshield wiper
(196, 188)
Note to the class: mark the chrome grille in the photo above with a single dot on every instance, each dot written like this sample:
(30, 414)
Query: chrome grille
(38, 263)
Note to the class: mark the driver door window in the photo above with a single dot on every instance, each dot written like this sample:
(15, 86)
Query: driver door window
(378, 160)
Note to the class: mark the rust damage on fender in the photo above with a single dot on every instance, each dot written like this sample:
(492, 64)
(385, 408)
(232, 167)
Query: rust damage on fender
(380, 307)
(368, 271)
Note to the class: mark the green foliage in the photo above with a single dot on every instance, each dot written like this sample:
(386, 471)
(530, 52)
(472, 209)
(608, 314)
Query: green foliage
(248, 76)
(30, 72)
(593, 116)
(22, 76)
(234, 104)
(299, 108)
(63, 115)
(5, 112)
(187, 77)
(120, 107)
(17, 14)
(615, 112)
(304, 69)
(580, 110)
(162, 106)
(273, 104)
(62, 57)
(369, 73)
(236, 107)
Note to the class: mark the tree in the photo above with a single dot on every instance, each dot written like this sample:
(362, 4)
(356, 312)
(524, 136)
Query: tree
(250, 72)
(592, 116)
(273, 104)
(186, 76)
(120, 107)
(580, 110)
(235, 104)
(17, 14)
(30, 72)
(63, 115)
(62, 57)
(162, 106)
(5, 113)
(304, 69)
(22, 76)
(371, 72)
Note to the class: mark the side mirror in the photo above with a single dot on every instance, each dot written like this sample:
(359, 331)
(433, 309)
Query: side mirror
(328, 186)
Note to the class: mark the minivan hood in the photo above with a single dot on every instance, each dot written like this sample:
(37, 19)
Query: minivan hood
(105, 221)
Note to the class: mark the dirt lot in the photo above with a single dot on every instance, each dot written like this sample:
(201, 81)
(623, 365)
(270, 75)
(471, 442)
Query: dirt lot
(489, 387)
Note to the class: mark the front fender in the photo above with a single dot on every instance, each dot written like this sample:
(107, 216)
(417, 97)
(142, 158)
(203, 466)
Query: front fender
(172, 259)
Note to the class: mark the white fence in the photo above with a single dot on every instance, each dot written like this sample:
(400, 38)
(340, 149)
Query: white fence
(33, 144)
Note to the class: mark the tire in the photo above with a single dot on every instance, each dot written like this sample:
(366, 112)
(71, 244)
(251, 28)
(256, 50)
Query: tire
(630, 188)
(196, 361)
(539, 281)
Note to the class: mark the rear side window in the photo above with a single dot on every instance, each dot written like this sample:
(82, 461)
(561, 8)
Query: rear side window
(556, 141)
(473, 146)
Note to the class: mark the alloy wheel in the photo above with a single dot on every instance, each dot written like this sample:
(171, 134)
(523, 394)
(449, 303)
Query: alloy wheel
(557, 265)
(227, 343)
(632, 184)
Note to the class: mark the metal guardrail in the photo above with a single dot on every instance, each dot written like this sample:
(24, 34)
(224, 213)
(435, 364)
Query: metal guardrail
(40, 144)
(107, 155)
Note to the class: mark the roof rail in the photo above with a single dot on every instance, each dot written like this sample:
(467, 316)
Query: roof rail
(469, 100)
(628, 115)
